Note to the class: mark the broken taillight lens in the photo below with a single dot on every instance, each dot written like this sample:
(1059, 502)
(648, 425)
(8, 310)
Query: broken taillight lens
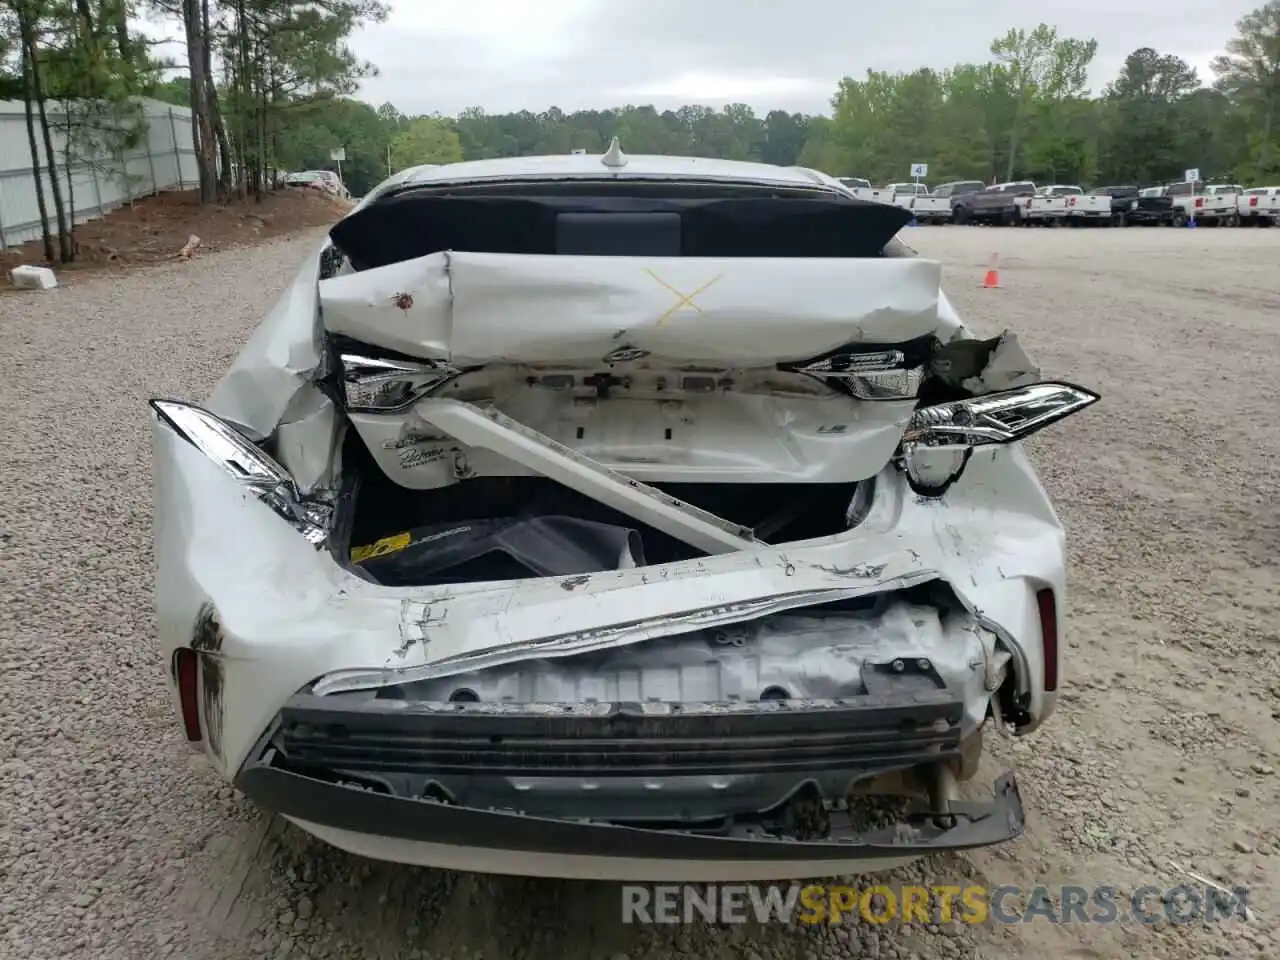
(186, 670)
(939, 439)
(1002, 417)
(238, 456)
(378, 385)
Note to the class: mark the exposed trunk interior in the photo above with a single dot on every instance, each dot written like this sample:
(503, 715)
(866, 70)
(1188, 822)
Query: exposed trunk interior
(509, 528)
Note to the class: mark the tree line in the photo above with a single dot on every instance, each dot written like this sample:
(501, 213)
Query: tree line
(1025, 113)
(271, 87)
(253, 68)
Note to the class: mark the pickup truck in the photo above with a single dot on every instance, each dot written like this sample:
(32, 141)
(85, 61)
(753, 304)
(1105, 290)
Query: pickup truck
(931, 209)
(1049, 206)
(955, 190)
(1089, 208)
(916, 198)
(1132, 205)
(1002, 203)
(861, 188)
(1259, 207)
(902, 193)
(1210, 204)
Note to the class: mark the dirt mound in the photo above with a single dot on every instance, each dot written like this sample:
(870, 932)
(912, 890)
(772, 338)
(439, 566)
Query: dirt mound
(155, 229)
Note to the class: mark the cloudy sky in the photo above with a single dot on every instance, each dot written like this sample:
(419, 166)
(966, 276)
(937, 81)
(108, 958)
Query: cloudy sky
(510, 54)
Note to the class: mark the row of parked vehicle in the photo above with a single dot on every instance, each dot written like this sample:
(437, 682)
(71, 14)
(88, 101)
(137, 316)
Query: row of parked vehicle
(1023, 203)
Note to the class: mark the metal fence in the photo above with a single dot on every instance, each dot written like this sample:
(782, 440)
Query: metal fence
(165, 160)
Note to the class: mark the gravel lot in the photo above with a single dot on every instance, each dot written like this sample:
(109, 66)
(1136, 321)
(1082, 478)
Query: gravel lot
(115, 842)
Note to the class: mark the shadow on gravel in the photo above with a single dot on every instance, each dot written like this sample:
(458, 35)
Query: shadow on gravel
(268, 888)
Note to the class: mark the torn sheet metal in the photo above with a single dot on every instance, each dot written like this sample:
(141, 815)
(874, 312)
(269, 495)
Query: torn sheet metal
(306, 440)
(1007, 367)
(985, 366)
(579, 309)
(280, 359)
(404, 307)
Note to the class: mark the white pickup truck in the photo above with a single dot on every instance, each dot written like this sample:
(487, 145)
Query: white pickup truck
(1049, 205)
(1089, 208)
(861, 187)
(916, 198)
(1259, 207)
(1209, 204)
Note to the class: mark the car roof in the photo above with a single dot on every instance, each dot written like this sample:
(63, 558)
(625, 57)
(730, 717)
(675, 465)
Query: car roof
(591, 166)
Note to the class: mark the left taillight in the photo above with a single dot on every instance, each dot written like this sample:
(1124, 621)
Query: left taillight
(186, 670)
(242, 459)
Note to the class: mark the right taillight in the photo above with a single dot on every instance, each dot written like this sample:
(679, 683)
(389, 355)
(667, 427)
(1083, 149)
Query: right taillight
(1047, 604)
(186, 670)
(1253, 201)
(939, 439)
(997, 417)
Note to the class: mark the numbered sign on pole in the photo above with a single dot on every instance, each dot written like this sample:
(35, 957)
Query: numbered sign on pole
(1192, 175)
(919, 170)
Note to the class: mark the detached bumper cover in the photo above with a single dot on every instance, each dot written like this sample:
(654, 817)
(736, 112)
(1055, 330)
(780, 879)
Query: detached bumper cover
(704, 782)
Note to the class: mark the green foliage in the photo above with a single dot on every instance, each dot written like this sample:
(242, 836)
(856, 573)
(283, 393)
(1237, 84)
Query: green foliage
(281, 99)
(1248, 73)
(423, 140)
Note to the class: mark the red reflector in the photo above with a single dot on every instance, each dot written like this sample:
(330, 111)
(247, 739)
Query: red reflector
(186, 668)
(1048, 605)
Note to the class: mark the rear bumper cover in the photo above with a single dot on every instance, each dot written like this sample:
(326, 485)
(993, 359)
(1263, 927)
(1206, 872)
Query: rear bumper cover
(706, 778)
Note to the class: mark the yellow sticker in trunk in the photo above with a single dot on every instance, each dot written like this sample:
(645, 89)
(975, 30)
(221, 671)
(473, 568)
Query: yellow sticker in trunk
(380, 548)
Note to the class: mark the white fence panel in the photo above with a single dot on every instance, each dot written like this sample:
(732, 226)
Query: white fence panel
(165, 160)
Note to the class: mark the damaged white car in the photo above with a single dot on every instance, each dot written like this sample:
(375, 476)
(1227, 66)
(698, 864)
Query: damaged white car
(614, 517)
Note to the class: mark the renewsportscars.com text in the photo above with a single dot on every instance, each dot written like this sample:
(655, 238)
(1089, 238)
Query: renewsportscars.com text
(816, 903)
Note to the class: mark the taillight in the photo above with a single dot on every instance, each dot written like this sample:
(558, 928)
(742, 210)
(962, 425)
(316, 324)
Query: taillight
(1004, 417)
(257, 472)
(186, 667)
(1071, 202)
(939, 439)
(1253, 201)
(1199, 201)
(1048, 606)
(377, 385)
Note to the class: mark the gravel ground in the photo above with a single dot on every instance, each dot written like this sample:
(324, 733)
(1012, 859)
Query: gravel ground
(118, 843)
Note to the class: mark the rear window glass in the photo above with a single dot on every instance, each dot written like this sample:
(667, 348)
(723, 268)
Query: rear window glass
(616, 221)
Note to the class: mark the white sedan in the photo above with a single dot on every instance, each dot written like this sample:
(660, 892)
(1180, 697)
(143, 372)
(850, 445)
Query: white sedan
(614, 517)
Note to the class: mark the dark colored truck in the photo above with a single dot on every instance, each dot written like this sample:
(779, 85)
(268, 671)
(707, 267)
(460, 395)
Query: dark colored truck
(995, 204)
(1128, 205)
(957, 189)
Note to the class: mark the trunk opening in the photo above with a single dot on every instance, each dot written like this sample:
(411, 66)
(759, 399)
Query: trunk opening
(517, 527)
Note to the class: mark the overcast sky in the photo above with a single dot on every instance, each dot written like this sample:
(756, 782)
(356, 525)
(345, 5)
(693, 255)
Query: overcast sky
(506, 55)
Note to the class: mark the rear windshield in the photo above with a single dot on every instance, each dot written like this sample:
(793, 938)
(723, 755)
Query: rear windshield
(635, 219)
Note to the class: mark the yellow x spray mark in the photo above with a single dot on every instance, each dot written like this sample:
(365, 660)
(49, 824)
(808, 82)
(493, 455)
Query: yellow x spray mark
(685, 299)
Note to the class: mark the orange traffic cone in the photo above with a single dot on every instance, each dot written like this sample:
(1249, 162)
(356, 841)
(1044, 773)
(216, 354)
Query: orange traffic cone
(992, 280)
